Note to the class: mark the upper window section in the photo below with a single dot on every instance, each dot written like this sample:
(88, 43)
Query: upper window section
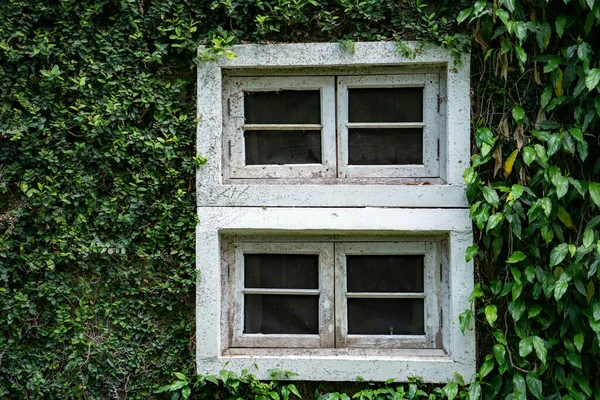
(332, 126)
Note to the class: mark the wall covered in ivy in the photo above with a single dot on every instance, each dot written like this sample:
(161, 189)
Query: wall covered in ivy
(97, 191)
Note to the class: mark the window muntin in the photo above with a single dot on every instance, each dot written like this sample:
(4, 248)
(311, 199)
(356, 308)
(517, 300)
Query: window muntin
(277, 301)
(388, 126)
(263, 141)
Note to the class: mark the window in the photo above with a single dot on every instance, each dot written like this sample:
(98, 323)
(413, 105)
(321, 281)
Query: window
(332, 126)
(333, 218)
(334, 294)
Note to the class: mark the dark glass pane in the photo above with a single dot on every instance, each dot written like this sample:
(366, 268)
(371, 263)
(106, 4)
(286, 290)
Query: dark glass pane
(389, 273)
(283, 107)
(385, 146)
(385, 105)
(386, 316)
(281, 271)
(266, 313)
(283, 147)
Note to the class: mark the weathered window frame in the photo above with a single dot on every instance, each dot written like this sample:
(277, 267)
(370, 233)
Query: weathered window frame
(234, 127)
(432, 294)
(375, 208)
(216, 188)
(432, 125)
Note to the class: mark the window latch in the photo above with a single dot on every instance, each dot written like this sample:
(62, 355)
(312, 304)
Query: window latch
(440, 100)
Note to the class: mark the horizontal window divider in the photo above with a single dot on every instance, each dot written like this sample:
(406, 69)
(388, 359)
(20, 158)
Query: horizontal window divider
(297, 292)
(282, 127)
(384, 125)
(384, 295)
(405, 338)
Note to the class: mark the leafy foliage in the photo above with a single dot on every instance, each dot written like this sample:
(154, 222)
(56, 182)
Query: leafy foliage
(97, 203)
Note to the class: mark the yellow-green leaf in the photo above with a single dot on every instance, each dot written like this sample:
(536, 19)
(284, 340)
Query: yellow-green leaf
(510, 161)
(565, 218)
(558, 88)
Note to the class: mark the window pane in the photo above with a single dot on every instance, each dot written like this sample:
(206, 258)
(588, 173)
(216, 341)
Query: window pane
(385, 146)
(281, 271)
(283, 107)
(386, 273)
(386, 316)
(283, 147)
(265, 313)
(385, 105)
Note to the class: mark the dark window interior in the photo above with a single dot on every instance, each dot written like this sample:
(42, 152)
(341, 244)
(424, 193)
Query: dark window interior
(385, 105)
(391, 146)
(283, 314)
(386, 316)
(385, 273)
(283, 107)
(282, 147)
(281, 271)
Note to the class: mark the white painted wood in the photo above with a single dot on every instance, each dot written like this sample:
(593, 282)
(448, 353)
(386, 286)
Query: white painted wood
(416, 208)
(234, 126)
(295, 292)
(384, 295)
(282, 127)
(430, 124)
(325, 293)
(384, 125)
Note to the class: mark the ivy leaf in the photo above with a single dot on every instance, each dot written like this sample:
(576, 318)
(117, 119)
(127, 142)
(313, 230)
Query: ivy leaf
(528, 155)
(519, 388)
(534, 384)
(465, 320)
(517, 309)
(474, 391)
(546, 96)
(521, 55)
(546, 206)
(584, 53)
(540, 348)
(491, 196)
(470, 176)
(486, 367)
(562, 284)
(558, 254)
(574, 360)
(494, 220)
(564, 217)
(471, 252)
(592, 78)
(594, 189)
(491, 314)
(525, 347)
(588, 238)
(578, 341)
(510, 4)
(516, 257)
(561, 22)
(464, 14)
(451, 390)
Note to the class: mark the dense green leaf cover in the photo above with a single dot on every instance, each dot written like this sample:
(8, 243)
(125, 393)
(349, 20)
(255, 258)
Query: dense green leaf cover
(97, 197)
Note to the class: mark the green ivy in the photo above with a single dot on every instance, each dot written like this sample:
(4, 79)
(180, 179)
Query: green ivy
(97, 190)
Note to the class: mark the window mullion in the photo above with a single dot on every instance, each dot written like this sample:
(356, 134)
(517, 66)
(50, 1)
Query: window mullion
(326, 298)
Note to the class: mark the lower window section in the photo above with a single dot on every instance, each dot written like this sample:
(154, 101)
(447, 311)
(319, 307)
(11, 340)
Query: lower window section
(386, 317)
(268, 314)
(336, 293)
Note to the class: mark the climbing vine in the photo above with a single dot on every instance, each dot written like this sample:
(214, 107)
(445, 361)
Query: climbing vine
(97, 197)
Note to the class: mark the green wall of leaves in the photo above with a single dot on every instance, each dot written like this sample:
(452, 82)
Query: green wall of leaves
(97, 197)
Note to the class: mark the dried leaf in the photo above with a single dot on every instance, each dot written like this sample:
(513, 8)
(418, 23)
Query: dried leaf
(536, 75)
(497, 156)
(503, 127)
(520, 137)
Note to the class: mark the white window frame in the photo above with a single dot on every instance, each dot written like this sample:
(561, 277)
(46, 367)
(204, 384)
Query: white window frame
(431, 294)
(234, 127)
(455, 352)
(215, 186)
(325, 293)
(432, 124)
